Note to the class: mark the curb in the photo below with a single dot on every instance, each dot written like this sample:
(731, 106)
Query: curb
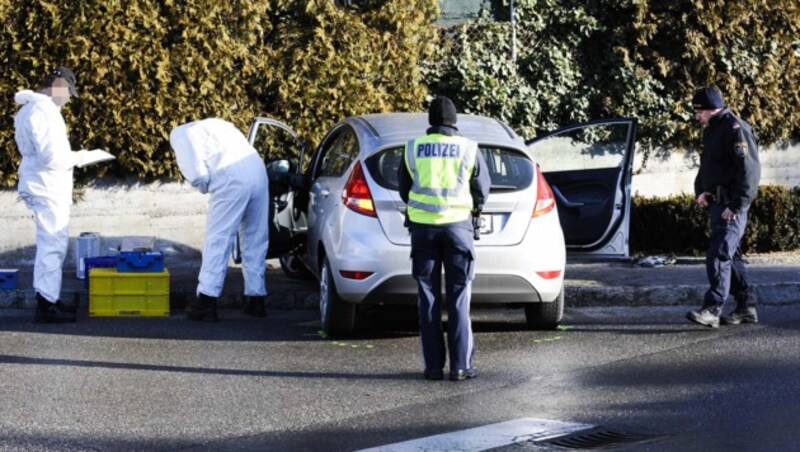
(587, 284)
(678, 295)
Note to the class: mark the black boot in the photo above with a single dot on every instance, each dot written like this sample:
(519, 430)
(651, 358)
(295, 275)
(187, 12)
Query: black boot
(203, 308)
(57, 312)
(255, 306)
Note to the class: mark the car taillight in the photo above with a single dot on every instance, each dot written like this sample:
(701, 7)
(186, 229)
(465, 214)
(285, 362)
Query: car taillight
(545, 201)
(356, 195)
(355, 275)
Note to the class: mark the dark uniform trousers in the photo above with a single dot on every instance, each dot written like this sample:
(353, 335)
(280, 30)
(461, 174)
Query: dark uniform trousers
(431, 248)
(724, 265)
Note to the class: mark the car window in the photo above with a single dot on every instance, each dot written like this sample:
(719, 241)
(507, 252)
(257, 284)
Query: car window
(509, 170)
(584, 148)
(274, 143)
(337, 153)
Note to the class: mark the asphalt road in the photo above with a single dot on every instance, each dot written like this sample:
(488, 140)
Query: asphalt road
(279, 384)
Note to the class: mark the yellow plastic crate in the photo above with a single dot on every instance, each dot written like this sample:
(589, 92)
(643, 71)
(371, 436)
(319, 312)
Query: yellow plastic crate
(114, 294)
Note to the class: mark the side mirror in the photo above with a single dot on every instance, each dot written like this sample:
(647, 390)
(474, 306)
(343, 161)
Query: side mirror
(281, 166)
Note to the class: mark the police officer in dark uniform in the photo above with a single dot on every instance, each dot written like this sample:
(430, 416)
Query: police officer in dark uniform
(726, 184)
(444, 181)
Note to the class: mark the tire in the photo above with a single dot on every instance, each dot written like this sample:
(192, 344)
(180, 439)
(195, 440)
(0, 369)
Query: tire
(545, 316)
(293, 267)
(337, 317)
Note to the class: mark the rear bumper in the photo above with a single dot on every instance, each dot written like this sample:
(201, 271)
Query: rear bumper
(486, 289)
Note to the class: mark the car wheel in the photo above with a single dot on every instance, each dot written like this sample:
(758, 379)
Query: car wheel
(545, 316)
(293, 267)
(337, 316)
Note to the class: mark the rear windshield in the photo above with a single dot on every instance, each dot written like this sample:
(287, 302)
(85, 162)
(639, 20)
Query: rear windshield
(509, 170)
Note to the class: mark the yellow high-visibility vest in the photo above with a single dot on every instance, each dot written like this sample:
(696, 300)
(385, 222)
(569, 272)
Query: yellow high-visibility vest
(441, 167)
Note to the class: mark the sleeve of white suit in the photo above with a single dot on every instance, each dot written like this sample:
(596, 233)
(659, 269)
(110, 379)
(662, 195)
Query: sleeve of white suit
(52, 151)
(189, 145)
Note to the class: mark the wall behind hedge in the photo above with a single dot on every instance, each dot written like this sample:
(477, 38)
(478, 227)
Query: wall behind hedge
(144, 67)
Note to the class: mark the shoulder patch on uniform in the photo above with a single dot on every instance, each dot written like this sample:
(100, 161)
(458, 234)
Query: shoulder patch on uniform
(736, 126)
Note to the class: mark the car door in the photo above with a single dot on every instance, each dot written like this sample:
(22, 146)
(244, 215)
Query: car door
(327, 177)
(283, 152)
(589, 168)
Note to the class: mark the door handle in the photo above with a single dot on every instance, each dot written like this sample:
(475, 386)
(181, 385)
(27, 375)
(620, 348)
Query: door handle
(320, 191)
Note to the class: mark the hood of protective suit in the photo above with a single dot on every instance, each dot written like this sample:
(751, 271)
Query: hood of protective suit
(27, 96)
(205, 147)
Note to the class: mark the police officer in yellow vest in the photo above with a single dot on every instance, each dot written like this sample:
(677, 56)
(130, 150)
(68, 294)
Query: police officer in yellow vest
(443, 180)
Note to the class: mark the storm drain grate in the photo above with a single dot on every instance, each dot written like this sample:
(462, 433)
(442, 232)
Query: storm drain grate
(597, 438)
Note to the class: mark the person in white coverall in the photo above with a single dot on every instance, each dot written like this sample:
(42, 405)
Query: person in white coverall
(45, 185)
(216, 158)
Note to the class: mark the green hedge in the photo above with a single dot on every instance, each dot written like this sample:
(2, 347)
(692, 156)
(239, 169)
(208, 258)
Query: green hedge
(144, 67)
(586, 59)
(677, 225)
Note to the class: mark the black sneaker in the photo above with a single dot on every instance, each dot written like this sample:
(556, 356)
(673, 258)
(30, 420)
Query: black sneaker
(740, 316)
(57, 312)
(704, 317)
(463, 374)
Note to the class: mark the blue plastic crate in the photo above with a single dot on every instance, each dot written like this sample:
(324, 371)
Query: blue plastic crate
(98, 262)
(140, 262)
(8, 278)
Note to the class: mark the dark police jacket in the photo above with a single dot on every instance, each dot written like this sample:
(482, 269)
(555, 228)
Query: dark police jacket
(479, 183)
(729, 166)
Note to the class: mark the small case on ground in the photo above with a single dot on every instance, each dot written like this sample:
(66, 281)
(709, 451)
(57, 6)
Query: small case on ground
(140, 261)
(9, 278)
(116, 294)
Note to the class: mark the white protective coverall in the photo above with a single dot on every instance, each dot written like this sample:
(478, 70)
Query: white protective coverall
(216, 158)
(45, 184)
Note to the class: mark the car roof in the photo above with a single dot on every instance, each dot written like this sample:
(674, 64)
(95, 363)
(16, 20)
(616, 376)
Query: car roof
(384, 129)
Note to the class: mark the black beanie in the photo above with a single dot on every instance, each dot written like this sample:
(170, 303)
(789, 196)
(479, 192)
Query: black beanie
(442, 112)
(708, 98)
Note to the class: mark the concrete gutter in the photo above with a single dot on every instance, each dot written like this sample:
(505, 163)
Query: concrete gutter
(588, 283)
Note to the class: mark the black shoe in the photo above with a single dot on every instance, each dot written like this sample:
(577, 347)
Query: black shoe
(463, 374)
(739, 316)
(255, 306)
(57, 312)
(203, 309)
(704, 317)
(434, 374)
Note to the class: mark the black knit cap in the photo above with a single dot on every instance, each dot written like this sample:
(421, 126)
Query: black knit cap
(442, 112)
(66, 74)
(708, 98)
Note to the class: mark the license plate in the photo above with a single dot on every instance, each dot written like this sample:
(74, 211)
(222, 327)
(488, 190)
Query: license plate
(486, 223)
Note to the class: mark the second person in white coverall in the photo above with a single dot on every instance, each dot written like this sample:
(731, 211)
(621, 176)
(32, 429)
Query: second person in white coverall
(216, 158)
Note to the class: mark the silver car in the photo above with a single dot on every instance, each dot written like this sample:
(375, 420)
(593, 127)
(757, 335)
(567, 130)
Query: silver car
(340, 219)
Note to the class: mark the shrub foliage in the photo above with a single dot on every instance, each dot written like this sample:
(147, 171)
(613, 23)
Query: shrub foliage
(144, 67)
(677, 225)
(581, 59)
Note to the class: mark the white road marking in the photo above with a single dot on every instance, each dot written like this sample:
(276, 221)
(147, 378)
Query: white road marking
(487, 437)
